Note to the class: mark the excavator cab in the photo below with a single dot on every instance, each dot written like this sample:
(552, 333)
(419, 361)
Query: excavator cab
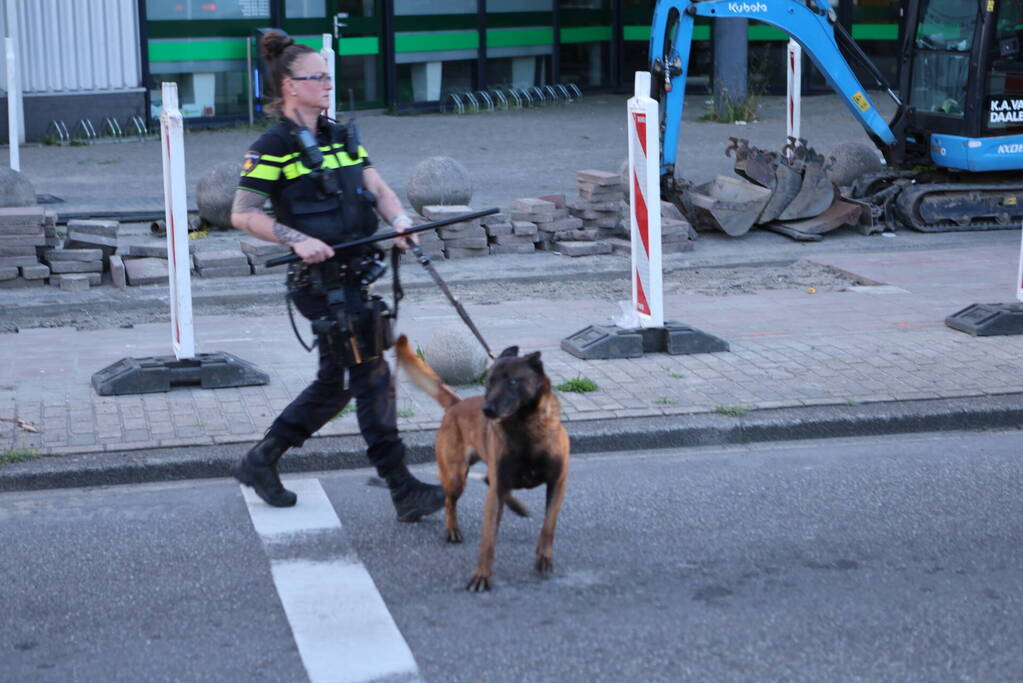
(961, 73)
(954, 147)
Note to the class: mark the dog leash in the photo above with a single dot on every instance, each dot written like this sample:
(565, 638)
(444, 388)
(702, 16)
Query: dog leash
(425, 261)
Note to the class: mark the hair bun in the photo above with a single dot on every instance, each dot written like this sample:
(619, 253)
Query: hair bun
(274, 43)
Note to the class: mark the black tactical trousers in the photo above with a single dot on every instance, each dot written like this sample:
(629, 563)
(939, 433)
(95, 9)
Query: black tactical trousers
(369, 383)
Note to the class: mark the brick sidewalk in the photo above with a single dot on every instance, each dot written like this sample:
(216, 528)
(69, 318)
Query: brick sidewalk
(789, 348)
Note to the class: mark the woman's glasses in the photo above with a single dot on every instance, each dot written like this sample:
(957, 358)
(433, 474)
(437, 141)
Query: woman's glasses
(322, 78)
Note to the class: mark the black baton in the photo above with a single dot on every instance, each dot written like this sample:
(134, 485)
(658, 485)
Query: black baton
(291, 258)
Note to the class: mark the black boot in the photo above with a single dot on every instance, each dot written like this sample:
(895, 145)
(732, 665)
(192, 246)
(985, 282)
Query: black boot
(258, 469)
(412, 498)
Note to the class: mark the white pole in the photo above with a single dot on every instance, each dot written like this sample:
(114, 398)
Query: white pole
(328, 54)
(13, 129)
(1019, 275)
(645, 204)
(15, 113)
(794, 72)
(172, 137)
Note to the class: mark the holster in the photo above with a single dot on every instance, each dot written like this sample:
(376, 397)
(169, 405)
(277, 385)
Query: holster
(357, 326)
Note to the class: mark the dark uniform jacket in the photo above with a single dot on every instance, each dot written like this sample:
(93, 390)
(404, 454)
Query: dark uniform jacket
(274, 167)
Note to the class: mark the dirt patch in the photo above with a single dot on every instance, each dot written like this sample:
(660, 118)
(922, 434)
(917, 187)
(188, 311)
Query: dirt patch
(706, 281)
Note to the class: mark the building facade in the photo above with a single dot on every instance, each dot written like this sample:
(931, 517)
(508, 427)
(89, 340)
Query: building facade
(107, 58)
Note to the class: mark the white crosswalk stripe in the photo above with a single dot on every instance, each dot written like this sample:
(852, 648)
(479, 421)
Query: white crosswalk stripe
(343, 629)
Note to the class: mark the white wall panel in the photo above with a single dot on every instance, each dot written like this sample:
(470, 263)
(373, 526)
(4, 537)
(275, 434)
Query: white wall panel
(68, 46)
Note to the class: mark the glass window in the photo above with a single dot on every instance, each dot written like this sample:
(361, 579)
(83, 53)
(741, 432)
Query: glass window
(946, 25)
(162, 10)
(1004, 104)
(299, 9)
(941, 64)
(406, 7)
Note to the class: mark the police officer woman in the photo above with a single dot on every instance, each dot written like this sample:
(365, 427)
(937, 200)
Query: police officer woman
(322, 189)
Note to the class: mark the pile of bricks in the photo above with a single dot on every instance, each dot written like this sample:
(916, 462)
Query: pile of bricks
(510, 237)
(460, 240)
(24, 233)
(599, 204)
(258, 252)
(221, 263)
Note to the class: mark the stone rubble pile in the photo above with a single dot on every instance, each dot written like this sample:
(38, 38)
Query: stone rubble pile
(32, 252)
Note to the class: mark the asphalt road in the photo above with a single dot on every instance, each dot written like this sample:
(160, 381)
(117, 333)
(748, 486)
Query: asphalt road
(895, 558)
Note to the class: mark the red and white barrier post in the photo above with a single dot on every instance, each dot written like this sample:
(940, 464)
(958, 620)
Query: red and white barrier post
(172, 137)
(645, 204)
(793, 102)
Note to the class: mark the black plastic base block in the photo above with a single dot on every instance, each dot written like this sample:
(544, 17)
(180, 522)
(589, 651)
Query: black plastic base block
(602, 342)
(162, 373)
(988, 320)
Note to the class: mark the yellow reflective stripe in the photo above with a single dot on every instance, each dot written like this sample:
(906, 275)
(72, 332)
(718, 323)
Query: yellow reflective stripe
(278, 160)
(345, 161)
(292, 171)
(264, 172)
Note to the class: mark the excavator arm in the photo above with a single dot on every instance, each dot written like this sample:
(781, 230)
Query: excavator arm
(811, 23)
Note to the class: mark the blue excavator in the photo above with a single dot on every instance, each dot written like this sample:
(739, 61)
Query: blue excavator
(953, 148)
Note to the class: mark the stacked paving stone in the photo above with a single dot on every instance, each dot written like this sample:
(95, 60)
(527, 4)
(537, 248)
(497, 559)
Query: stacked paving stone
(461, 240)
(677, 235)
(92, 234)
(221, 263)
(22, 233)
(510, 237)
(258, 252)
(429, 241)
(599, 203)
(559, 230)
(75, 269)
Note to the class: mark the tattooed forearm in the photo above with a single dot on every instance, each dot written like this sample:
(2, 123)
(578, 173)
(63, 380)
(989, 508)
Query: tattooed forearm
(245, 206)
(288, 235)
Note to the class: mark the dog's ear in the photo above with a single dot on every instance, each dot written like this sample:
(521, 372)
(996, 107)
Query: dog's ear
(534, 362)
(509, 352)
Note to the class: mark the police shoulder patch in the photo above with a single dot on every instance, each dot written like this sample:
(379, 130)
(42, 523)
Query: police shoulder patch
(249, 161)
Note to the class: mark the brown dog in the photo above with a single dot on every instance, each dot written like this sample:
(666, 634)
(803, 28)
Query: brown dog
(515, 428)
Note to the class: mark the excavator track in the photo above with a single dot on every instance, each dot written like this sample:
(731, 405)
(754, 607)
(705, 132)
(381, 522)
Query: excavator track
(959, 206)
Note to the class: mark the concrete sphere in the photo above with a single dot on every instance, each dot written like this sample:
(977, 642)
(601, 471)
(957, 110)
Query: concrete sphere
(214, 193)
(439, 181)
(15, 189)
(456, 355)
(850, 160)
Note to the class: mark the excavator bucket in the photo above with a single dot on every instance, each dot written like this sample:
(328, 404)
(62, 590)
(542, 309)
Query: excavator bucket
(769, 170)
(787, 185)
(730, 205)
(816, 193)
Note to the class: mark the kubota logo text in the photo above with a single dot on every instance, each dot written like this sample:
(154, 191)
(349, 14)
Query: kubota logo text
(747, 8)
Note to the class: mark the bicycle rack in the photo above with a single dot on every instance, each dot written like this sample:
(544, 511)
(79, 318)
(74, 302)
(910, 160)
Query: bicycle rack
(500, 101)
(137, 127)
(58, 131)
(515, 95)
(456, 101)
(84, 130)
(485, 96)
(112, 128)
(505, 97)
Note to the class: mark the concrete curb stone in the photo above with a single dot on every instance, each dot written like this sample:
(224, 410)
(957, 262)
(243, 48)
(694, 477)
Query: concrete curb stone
(587, 437)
